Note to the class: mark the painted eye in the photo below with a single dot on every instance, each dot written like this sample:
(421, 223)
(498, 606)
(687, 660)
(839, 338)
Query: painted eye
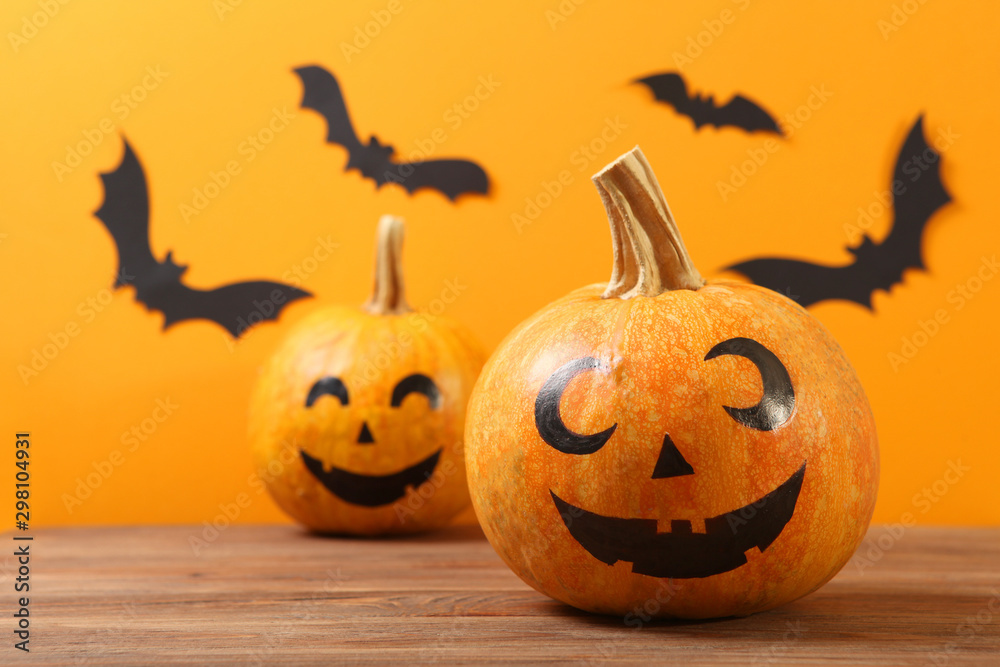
(416, 383)
(777, 404)
(547, 420)
(329, 385)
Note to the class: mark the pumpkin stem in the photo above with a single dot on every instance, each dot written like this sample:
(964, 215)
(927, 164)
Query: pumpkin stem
(388, 297)
(649, 254)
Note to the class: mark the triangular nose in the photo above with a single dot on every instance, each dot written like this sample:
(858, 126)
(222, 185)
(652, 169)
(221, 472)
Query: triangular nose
(671, 462)
(365, 438)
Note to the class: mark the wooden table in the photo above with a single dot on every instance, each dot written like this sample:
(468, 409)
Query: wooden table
(273, 594)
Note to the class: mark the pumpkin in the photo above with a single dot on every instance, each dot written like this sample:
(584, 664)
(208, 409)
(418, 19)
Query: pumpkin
(356, 423)
(666, 446)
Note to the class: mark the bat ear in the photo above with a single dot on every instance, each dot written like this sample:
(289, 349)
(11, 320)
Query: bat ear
(169, 261)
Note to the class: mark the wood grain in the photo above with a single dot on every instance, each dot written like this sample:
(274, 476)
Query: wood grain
(276, 595)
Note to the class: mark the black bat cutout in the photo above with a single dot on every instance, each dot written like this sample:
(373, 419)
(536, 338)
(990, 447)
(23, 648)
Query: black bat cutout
(125, 214)
(917, 194)
(374, 160)
(740, 112)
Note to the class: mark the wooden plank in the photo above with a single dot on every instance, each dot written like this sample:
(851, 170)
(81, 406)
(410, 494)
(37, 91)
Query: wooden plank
(273, 594)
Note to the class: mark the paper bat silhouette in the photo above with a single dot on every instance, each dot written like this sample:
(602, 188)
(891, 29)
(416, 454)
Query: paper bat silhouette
(917, 194)
(737, 112)
(322, 93)
(125, 213)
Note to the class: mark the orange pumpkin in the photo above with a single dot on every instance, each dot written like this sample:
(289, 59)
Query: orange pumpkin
(356, 423)
(669, 447)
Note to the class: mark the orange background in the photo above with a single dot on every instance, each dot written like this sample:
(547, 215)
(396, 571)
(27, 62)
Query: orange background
(225, 72)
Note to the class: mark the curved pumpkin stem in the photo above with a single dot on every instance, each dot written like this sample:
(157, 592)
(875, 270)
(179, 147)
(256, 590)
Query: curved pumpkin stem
(388, 297)
(649, 254)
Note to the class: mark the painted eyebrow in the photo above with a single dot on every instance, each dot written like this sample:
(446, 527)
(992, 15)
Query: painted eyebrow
(419, 383)
(777, 405)
(333, 386)
(548, 420)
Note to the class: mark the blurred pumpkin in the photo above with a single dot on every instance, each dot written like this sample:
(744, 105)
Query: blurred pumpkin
(608, 465)
(356, 423)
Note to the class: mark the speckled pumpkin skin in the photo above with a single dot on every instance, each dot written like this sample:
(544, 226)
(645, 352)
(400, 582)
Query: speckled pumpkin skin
(659, 383)
(370, 353)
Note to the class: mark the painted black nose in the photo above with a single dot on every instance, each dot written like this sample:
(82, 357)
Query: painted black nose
(671, 462)
(365, 438)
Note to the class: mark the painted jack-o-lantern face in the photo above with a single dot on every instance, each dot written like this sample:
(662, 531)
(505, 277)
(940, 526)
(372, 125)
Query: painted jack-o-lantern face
(680, 553)
(357, 422)
(668, 446)
(367, 489)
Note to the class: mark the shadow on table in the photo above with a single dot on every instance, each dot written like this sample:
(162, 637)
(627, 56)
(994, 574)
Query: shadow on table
(884, 615)
(456, 533)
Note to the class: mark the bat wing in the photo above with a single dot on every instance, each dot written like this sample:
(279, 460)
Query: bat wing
(450, 177)
(322, 93)
(235, 307)
(917, 194)
(741, 112)
(804, 282)
(671, 89)
(668, 87)
(125, 214)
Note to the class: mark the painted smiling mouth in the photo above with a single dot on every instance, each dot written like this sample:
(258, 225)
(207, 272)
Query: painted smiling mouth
(681, 553)
(370, 490)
